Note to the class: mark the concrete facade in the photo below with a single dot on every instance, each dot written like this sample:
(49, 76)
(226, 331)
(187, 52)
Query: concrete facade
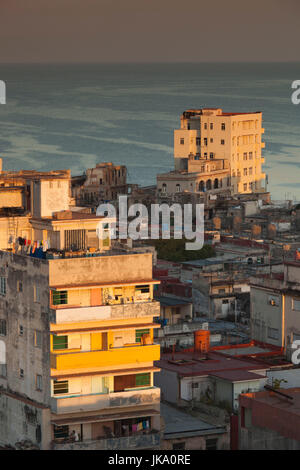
(236, 137)
(275, 306)
(79, 352)
(269, 420)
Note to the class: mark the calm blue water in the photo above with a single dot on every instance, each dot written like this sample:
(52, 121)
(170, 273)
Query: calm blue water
(75, 116)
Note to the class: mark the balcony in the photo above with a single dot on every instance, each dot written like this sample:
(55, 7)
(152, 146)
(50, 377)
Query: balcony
(68, 360)
(104, 312)
(99, 401)
(136, 442)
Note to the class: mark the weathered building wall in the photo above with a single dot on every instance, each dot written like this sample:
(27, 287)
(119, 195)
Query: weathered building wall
(197, 442)
(255, 438)
(11, 198)
(102, 269)
(292, 318)
(24, 308)
(169, 385)
(22, 420)
(12, 228)
(50, 196)
(266, 316)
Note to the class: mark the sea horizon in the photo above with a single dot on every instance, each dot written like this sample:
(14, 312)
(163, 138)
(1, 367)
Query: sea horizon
(70, 115)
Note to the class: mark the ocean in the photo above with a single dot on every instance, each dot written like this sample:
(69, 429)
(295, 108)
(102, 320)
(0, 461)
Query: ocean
(74, 116)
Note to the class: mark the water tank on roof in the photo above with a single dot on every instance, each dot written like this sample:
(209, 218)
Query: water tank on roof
(201, 340)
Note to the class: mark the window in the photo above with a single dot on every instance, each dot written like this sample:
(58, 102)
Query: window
(76, 239)
(3, 327)
(60, 386)
(273, 300)
(198, 141)
(181, 141)
(164, 188)
(245, 171)
(222, 142)
(3, 370)
(223, 126)
(211, 140)
(211, 444)
(296, 304)
(22, 373)
(245, 156)
(250, 155)
(211, 155)
(179, 446)
(273, 333)
(36, 294)
(144, 289)
(205, 125)
(60, 342)
(39, 382)
(211, 125)
(205, 141)
(38, 339)
(19, 286)
(242, 417)
(59, 297)
(195, 385)
(178, 188)
(60, 432)
(142, 380)
(3, 285)
(250, 171)
(245, 187)
(140, 333)
(21, 330)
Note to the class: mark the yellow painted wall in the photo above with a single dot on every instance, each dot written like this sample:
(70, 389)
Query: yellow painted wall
(122, 356)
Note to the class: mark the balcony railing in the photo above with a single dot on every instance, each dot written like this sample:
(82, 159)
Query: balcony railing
(135, 442)
(99, 401)
(104, 312)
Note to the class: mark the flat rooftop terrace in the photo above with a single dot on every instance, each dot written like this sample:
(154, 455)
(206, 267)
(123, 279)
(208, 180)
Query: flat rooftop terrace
(190, 363)
(179, 424)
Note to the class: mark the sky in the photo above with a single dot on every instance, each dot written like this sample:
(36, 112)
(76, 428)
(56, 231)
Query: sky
(149, 30)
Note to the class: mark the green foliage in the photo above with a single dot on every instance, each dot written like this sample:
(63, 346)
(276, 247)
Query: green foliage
(174, 250)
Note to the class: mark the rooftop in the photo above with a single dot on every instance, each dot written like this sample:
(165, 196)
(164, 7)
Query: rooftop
(36, 175)
(172, 302)
(278, 411)
(190, 363)
(180, 424)
(238, 375)
(277, 401)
